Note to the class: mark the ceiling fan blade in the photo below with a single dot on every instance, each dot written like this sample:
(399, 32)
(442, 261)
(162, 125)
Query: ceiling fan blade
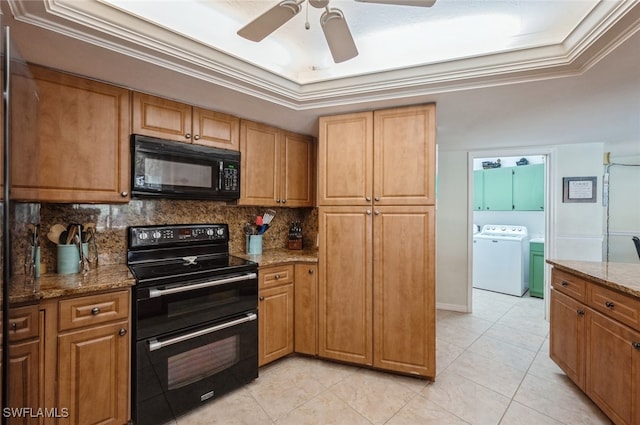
(338, 36)
(421, 3)
(270, 20)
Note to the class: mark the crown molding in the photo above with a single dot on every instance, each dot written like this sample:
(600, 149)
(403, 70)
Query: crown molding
(99, 24)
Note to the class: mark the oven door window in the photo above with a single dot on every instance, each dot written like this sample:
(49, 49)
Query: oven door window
(166, 313)
(181, 370)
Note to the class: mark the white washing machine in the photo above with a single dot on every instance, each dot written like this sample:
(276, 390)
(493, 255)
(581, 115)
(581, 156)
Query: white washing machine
(501, 259)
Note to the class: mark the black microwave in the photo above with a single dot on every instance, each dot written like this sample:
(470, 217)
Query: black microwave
(167, 169)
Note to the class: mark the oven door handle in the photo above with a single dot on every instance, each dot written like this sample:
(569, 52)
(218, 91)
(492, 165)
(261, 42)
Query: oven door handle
(155, 293)
(154, 344)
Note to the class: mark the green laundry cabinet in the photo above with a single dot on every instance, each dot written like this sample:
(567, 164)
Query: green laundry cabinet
(536, 269)
(509, 189)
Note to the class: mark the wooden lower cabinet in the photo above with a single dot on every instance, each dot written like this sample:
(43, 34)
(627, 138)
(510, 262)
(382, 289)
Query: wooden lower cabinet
(24, 380)
(305, 309)
(613, 368)
(275, 313)
(93, 374)
(566, 342)
(377, 287)
(596, 349)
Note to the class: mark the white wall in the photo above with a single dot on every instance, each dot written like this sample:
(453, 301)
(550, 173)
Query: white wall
(575, 230)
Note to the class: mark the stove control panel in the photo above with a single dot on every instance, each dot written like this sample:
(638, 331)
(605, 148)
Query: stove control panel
(154, 236)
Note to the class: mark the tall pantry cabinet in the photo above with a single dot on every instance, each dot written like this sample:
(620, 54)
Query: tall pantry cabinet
(376, 198)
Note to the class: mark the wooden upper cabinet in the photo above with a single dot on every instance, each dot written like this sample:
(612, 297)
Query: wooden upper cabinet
(167, 119)
(386, 157)
(81, 150)
(277, 167)
(345, 159)
(404, 156)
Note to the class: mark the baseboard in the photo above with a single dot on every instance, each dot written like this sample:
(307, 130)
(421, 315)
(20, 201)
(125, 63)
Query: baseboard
(452, 307)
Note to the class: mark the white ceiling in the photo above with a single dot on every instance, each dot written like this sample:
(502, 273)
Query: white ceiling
(503, 73)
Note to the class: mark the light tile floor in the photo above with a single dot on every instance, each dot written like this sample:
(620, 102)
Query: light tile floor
(492, 368)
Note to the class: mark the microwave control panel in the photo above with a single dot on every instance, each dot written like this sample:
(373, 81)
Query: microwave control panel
(230, 178)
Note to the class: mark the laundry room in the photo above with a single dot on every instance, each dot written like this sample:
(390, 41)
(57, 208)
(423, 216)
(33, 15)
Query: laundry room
(509, 224)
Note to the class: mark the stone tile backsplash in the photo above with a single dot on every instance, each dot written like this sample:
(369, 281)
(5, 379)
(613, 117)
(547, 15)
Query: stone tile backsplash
(112, 221)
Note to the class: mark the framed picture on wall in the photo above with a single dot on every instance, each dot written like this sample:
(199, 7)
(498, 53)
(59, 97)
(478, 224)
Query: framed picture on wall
(579, 189)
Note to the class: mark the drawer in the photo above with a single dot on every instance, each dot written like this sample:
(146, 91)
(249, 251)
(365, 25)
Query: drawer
(92, 310)
(24, 323)
(275, 275)
(615, 305)
(569, 284)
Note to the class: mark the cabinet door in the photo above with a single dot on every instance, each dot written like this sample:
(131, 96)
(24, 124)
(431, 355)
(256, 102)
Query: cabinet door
(528, 187)
(93, 375)
(24, 380)
(82, 149)
(567, 336)
(306, 310)
(345, 284)
(297, 171)
(613, 368)
(404, 290)
(215, 129)
(498, 188)
(163, 118)
(275, 316)
(260, 164)
(404, 156)
(478, 190)
(345, 159)
(536, 270)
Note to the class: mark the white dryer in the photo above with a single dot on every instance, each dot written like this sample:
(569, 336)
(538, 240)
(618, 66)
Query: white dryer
(501, 259)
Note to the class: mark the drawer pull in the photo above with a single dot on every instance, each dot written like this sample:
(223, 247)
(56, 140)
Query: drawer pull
(14, 325)
(609, 305)
(122, 332)
(636, 345)
(277, 276)
(564, 283)
(261, 298)
(580, 312)
(95, 311)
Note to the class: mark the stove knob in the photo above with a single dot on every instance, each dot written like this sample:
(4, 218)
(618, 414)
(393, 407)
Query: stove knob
(157, 235)
(143, 236)
(220, 231)
(209, 232)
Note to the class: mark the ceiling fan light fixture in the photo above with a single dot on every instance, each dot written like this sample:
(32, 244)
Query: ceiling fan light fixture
(270, 20)
(418, 3)
(338, 36)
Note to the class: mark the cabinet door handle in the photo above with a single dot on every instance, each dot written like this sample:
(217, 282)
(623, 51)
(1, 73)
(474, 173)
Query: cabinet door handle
(310, 271)
(377, 212)
(609, 305)
(368, 198)
(196, 137)
(580, 312)
(187, 136)
(636, 345)
(122, 332)
(261, 298)
(564, 283)
(124, 194)
(284, 201)
(95, 311)
(377, 198)
(368, 212)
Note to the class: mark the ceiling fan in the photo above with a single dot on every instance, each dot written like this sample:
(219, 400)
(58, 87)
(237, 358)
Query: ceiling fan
(333, 23)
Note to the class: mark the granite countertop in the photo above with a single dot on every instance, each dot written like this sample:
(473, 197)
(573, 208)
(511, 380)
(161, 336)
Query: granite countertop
(624, 277)
(281, 256)
(53, 285)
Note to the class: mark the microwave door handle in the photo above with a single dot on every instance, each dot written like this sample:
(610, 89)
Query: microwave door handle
(220, 174)
(154, 344)
(155, 293)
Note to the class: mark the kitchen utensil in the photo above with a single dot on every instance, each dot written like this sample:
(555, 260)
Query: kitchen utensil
(92, 255)
(249, 229)
(268, 216)
(69, 235)
(54, 233)
(259, 221)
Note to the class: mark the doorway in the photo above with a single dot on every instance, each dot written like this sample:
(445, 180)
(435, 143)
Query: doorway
(511, 188)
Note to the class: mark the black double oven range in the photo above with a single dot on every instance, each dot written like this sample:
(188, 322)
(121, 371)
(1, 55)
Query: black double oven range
(195, 314)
